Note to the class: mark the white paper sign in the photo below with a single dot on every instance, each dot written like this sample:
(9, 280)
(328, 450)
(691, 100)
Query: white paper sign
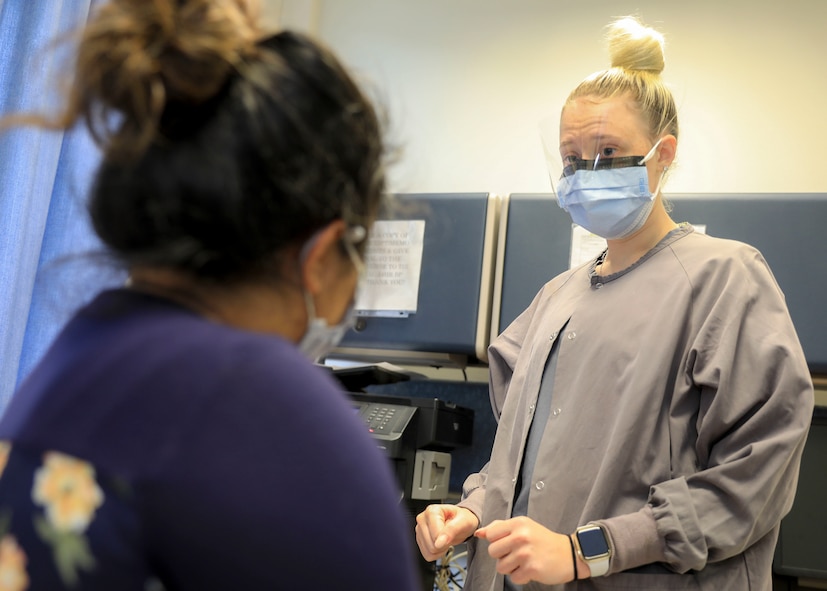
(585, 246)
(393, 264)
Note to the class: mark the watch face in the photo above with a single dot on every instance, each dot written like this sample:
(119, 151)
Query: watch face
(593, 543)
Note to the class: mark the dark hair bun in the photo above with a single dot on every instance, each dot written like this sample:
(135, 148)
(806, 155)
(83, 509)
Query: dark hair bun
(138, 56)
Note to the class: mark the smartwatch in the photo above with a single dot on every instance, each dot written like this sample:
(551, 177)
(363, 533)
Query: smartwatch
(593, 547)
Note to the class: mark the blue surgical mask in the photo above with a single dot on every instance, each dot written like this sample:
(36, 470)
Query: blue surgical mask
(320, 338)
(608, 197)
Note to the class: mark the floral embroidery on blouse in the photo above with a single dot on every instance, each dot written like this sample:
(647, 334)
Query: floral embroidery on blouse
(13, 576)
(66, 488)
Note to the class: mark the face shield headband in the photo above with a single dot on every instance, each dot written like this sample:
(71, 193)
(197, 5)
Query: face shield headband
(599, 163)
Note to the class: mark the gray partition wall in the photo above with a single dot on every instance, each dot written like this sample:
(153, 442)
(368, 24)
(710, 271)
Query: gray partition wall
(788, 229)
(454, 293)
(534, 245)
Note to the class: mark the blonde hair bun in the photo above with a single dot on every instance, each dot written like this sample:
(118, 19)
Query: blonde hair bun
(634, 46)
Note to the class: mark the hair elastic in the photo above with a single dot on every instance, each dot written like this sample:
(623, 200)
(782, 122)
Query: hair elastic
(573, 558)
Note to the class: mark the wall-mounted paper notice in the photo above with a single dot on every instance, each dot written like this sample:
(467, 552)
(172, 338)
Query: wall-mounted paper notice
(585, 246)
(393, 264)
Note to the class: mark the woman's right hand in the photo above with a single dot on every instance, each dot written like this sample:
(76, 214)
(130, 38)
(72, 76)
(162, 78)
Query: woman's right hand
(439, 527)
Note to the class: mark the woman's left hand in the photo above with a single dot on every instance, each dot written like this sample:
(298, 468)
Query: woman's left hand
(527, 551)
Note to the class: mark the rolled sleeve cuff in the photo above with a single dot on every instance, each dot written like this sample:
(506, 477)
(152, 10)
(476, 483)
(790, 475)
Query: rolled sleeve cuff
(473, 502)
(634, 540)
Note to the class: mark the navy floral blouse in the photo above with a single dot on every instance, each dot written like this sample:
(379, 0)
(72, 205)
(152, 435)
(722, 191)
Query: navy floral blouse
(154, 450)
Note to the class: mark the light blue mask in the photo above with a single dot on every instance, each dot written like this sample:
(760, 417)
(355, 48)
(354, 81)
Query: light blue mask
(320, 338)
(608, 197)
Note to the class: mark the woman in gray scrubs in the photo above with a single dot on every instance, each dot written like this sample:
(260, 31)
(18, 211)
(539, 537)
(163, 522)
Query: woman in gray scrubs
(653, 404)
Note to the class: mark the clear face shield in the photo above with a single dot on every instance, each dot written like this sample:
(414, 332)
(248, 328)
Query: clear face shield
(596, 175)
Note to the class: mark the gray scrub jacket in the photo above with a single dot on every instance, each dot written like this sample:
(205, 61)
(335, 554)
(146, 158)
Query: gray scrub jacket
(680, 408)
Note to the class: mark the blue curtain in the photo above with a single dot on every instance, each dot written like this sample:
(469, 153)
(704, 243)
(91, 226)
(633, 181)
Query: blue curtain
(45, 237)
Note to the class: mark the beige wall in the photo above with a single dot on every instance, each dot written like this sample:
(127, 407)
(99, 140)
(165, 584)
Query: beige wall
(298, 14)
(466, 82)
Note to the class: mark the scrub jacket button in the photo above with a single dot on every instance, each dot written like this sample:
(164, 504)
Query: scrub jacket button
(598, 285)
(540, 485)
(556, 412)
(552, 336)
(572, 335)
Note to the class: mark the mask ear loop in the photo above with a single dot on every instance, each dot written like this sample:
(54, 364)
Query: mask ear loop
(355, 235)
(662, 173)
(650, 153)
(660, 181)
(310, 306)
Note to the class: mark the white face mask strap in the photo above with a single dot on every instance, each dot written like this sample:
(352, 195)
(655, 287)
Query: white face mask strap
(355, 235)
(310, 306)
(663, 172)
(651, 152)
(660, 182)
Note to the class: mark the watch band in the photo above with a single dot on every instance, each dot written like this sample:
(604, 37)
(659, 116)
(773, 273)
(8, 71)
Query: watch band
(593, 547)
